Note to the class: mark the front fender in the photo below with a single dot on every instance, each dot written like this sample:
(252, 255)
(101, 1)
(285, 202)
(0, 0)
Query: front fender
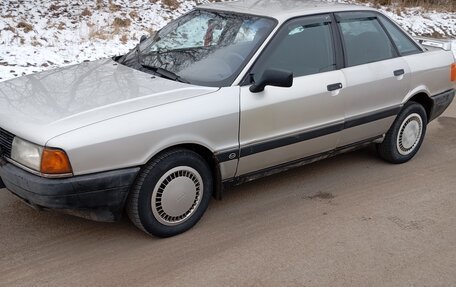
(211, 121)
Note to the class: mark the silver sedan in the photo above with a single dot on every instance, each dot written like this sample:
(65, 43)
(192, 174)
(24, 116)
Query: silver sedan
(227, 93)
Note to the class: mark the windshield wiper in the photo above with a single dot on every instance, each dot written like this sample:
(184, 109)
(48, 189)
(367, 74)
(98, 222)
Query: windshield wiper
(166, 73)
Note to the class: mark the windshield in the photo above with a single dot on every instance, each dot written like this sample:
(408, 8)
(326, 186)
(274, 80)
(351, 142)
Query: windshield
(203, 47)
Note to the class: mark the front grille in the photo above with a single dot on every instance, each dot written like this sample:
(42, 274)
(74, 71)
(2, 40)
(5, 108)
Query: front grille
(6, 142)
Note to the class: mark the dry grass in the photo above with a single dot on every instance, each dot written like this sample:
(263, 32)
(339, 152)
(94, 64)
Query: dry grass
(114, 7)
(151, 31)
(86, 12)
(54, 7)
(121, 23)
(61, 26)
(124, 39)
(172, 4)
(99, 4)
(434, 34)
(133, 14)
(35, 42)
(108, 33)
(99, 34)
(7, 15)
(26, 26)
(9, 28)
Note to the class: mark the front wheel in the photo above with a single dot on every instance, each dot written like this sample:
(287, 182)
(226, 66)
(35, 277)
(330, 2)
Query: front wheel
(406, 135)
(171, 194)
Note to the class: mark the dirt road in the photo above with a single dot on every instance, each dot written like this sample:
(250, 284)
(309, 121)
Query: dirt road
(352, 220)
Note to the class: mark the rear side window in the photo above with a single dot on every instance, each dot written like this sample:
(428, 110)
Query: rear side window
(365, 40)
(303, 46)
(404, 44)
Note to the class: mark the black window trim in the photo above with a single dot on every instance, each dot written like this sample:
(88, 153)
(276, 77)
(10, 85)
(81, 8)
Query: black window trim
(369, 15)
(376, 15)
(396, 49)
(419, 48)
(338, 42)
(247, 79)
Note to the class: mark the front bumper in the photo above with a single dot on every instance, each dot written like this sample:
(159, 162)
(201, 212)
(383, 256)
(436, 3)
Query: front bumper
(440, 103)
(99, 197)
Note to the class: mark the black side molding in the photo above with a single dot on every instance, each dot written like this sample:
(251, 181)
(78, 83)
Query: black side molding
(371, 117)
(266, 145)
(291, 139)
(308, 135)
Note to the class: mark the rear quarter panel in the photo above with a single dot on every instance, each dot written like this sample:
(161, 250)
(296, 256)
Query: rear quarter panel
(430, 72)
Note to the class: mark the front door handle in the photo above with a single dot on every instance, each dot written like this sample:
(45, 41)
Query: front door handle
(398, 73)
(334, 87)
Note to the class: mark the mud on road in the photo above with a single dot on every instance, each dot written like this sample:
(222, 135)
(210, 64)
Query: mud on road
(351, 220)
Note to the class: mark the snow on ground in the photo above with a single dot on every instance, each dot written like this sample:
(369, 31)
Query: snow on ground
(432, 24)
(37, 35)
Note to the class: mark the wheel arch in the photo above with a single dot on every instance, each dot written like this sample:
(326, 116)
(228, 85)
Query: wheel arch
(422, 95)
(210, 159)
(423, 99)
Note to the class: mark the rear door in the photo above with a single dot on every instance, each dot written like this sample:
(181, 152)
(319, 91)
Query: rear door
(377, 77)
(280, 125)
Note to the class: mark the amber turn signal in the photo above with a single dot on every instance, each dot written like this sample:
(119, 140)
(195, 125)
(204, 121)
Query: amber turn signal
(453, 72)
(55, 161)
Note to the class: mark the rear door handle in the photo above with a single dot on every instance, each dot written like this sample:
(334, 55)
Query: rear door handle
(398, 73)
(334, 87)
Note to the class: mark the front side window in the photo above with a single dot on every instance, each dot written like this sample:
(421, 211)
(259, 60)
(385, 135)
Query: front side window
(365, 40)
(203, 47)
(403, 43)
(303, 47)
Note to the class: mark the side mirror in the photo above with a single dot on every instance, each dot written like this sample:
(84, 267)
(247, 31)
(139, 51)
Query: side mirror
(273, 77)
(143, 38)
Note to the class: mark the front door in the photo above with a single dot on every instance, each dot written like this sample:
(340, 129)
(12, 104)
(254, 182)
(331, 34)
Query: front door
(279, 125)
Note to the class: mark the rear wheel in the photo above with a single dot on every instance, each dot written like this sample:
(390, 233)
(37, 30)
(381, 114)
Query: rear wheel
(406, 135)
(171, 194)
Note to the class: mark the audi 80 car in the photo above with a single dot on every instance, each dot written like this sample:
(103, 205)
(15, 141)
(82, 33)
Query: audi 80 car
(225, 94)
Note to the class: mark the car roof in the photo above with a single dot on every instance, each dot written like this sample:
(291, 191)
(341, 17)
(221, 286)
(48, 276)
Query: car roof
(283, 9)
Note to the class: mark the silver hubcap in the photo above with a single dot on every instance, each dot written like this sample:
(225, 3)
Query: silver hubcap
(409, 134)
(177, 195)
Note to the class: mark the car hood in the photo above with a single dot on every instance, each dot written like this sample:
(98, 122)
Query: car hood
(41, 106)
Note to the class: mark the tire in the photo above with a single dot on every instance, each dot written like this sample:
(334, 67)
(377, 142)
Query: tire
(404, 138)
(171, 193)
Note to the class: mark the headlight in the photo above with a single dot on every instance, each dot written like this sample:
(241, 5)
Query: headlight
(26, 153)
(47, 161)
